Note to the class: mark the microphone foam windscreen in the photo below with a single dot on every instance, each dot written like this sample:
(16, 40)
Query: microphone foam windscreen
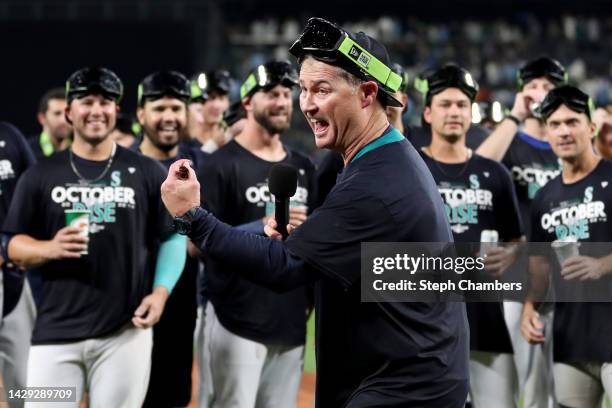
(282, 181)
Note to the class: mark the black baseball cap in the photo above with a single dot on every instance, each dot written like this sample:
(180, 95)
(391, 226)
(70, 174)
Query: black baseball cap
(542, 67)
(164, 83)
(359, 54)
(569, 96)
(267, 76)
(450, 76)
(94, 80)
(204, 83)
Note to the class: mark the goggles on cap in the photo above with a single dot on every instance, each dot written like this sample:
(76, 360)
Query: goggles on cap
(167, 83)
(267, 76)
(569, 96)
(88, 81)
(327, 41)
(542, 67)
(450, 76)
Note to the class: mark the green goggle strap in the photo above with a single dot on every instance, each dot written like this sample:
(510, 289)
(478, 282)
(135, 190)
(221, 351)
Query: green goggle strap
(370, 64)
(249, 84)
(196, 91)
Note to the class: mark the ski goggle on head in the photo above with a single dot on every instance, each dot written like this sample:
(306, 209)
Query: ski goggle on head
(94, 80)
(205, 83)
(329, 42)
(569, 96)
(449, 76)
(166, 83)
(542, 67)
(267, 76)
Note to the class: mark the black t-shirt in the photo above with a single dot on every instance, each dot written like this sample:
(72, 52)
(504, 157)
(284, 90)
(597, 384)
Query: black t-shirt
(478, 195)
(532, 164)
(421, 136)
(235, 189)
(98, 293)
(387, 354)
(15, 158)
(582, 331)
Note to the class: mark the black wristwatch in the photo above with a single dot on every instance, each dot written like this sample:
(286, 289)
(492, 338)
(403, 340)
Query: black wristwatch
(182, 223)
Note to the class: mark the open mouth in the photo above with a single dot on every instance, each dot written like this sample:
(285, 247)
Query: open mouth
(319, 126)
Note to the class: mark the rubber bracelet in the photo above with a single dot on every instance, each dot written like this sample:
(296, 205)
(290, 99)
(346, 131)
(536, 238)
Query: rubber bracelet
(514, 119)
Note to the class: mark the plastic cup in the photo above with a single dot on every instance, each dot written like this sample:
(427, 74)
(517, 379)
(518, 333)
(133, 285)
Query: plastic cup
(80, 220)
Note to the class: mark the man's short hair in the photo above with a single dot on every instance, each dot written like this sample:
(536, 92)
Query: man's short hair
(55, 93)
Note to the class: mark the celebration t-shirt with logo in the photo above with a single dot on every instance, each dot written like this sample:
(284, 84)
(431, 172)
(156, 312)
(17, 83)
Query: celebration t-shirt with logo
(95, 295)
(580, 210)
(532, 164)
(478, 195)
(234, 186)
(15, 158)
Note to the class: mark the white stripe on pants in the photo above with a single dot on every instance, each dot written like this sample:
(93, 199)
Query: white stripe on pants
(114, 369)
(534, 363)
(15, 334)
(246, 374)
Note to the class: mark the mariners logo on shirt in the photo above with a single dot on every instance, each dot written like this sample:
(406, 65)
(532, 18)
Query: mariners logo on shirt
(534, 176)
(6, 170)
(100, 199)
(260, 195)
(573, 218)
(462, 203)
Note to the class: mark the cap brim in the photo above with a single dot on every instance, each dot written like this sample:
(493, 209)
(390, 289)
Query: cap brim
(390, 99)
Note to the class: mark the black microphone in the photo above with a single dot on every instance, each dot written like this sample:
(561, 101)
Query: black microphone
(282, 182)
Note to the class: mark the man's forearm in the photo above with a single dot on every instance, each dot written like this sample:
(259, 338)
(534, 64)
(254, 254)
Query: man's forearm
(497, 143)
(27, 252)
(259, 259)
(538, 271)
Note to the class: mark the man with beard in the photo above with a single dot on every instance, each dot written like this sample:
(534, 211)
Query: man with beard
(56, 132)
(209, 101)
(459, 173)
(259, 333)
(162, 114)
(100, 296)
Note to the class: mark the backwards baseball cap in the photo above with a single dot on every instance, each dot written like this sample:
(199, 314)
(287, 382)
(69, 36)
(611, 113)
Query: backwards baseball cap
(164, 83)
(542, 67)
(267, 76)
(359, 54)
(204, 83)
(569, 96)
(94, 80)
(449, 76)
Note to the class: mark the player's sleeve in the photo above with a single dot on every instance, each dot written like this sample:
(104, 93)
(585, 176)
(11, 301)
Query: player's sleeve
(264, 261)
(23, 213)
(509, 214)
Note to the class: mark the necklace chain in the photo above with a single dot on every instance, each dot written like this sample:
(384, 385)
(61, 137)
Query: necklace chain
(108, 165)
(463, 169)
